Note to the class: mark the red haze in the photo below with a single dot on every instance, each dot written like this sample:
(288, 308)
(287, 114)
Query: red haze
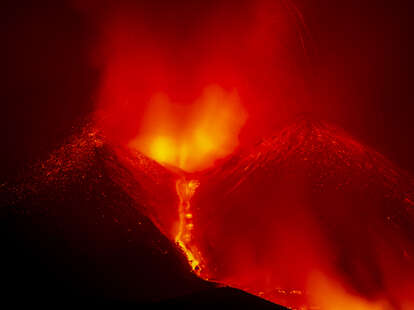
(159, 61)
(178, 49)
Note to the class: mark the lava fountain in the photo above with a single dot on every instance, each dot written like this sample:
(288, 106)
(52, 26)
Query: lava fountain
(190, 138)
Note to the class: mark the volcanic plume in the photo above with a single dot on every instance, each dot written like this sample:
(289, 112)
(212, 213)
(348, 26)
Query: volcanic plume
(191, 137)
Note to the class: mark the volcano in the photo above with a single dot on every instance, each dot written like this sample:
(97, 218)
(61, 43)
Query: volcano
(68, 220)
(308, 217)
(307, 201)
(82, 228)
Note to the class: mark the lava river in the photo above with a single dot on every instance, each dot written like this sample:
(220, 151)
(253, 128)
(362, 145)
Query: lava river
(186, 190)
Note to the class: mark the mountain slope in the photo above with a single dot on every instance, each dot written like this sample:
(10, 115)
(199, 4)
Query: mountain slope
(77, 225)
(308, 200)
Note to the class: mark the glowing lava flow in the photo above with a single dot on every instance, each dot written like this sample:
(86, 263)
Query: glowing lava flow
(185, 190)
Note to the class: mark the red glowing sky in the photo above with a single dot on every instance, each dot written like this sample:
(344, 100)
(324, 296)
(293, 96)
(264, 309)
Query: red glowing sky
(167, 68)
(187, 83)
(355, 69)
(252, 50)
(348, 61)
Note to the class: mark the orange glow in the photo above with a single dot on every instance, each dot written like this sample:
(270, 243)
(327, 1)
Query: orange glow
(185, 190)
(328, 294)
(310, 199)
(191, 137)
(262, 226)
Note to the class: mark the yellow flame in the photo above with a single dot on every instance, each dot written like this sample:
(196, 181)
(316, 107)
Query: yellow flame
(191, 137)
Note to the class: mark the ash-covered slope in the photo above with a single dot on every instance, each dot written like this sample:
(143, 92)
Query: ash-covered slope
(310, 199)
(77, 226)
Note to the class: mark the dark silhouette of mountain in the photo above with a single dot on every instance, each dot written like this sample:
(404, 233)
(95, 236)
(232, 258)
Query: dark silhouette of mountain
(93, 223)
(223, 296)
(311, 198)
(70, 228)
(83, 228)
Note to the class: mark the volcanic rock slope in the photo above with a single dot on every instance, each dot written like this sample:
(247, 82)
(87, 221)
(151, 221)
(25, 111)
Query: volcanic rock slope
(77, 225)
(91, 221)
(308, 199)
(92, 226)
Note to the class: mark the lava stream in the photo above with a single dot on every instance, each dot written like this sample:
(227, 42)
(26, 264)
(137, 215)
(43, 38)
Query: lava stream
(185, 190)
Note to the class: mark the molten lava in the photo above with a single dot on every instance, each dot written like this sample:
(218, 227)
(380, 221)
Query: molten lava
(186, 190)
(191, 137)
